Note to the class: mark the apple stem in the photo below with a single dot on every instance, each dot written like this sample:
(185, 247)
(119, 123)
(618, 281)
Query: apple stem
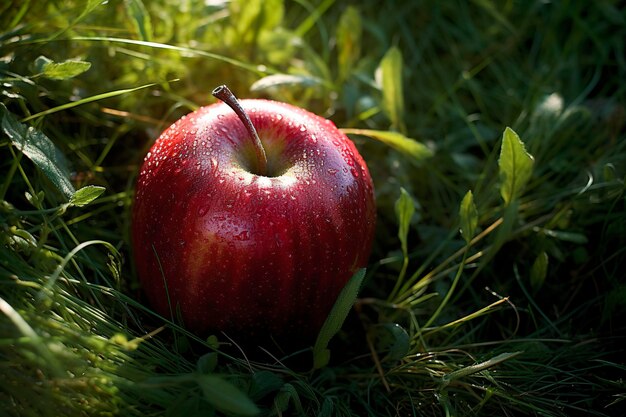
(223, 93)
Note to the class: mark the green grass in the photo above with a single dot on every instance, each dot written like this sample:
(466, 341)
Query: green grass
(510, 301)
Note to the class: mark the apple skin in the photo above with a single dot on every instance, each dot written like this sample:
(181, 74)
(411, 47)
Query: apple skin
(247, 254)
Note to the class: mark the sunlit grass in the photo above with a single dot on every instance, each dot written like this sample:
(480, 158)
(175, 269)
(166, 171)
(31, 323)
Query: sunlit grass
(506, 302)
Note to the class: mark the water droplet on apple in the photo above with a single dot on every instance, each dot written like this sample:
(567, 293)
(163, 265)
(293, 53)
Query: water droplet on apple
(243, 236)
(302, 128)
(332, 171)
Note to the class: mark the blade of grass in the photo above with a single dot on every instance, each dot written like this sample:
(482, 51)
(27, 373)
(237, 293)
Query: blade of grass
(264, 70)
(91, 99)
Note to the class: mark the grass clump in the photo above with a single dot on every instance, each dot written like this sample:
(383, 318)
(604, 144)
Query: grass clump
(494, 134)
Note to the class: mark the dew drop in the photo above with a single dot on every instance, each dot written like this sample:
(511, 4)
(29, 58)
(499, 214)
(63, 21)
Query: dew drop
(243, 236)
(332, 171)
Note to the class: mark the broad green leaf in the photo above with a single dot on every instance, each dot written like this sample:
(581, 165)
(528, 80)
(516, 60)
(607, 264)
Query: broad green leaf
(263, 383)
(348, 41)
(140, 18)
(404, 207)
(392, 339)
(86, 195)
(39, 149)
(389, 79)
(335, 319)
(62, 70)
(539, 270)
(207, 363)
(281, 80)
(515, 164)
(224, 396)
(469, 217)
(414, 149)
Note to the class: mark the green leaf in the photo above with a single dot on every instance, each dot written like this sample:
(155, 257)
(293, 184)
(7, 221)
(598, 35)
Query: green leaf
(284, 80)
(335, 319)
(539, 271)
(62, 70)
(414, 149)
(348, 41)
(263, 383)
(39, 149)
(224, 396)
(469, 216)
(86, 195)
(389, 79)
(140, 18)
(207, 363)
(515, 164)
(391, 338)
(404, 208)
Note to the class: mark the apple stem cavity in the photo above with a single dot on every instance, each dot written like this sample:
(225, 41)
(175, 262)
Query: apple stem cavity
(223, 93)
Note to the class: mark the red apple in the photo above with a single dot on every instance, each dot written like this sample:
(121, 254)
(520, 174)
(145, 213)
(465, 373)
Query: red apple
(247, 234)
